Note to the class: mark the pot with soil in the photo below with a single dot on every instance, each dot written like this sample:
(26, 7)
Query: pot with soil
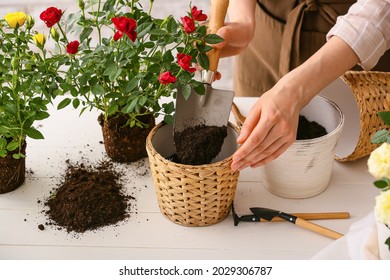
(122, 142)
(305, 168)
(192, 194)
(12, 171)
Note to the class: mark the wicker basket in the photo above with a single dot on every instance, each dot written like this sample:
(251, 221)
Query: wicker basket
(192, 195)
(372, 93)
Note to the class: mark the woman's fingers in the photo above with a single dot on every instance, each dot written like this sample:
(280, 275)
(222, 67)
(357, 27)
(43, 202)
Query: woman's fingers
(266, 133)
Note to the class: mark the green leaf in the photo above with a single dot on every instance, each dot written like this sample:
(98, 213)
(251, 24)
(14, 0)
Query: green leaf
(76, 103)
(382, 183)
(200, 88)
(3, 143)
(204, 61)
(132, 84)
(388, 242)
(42, 115)
(85, 34)
(98, 90)
(168, 119)
(143, 28)
(171, 25)
(3, 153)
(112, 109)
(65, 102)
(380, 136)
(158, 32)
(114, 75)
(12, 146)
(143, 100)
(33, 133)
(186, 91)
(169, 108)
(213, 39)
(17, 156)
(3, 130)
(385, 116)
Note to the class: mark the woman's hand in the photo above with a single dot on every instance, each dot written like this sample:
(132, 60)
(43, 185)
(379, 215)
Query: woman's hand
(238, 32)
(271, 125)
(269, 129)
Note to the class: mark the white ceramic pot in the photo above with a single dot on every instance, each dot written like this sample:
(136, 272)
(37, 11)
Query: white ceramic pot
(305, 168)
(383, 234)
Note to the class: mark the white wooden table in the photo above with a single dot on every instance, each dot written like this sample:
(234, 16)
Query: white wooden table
(147, 234)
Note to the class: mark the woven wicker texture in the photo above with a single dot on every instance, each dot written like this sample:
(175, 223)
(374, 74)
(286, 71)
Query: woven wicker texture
(372, 93)
(192, 195)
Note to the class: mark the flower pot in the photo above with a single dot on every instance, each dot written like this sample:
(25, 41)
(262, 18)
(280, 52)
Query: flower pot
(305, 168)
(12, 172)
(192, 195)
(123, 143)
(383, 235)
(360, 95)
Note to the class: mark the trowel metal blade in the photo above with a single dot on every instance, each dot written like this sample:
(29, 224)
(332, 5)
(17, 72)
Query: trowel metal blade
(211, 109)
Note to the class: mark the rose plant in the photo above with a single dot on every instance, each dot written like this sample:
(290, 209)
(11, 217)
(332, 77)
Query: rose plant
(29, 78)
(125, 60)
(379, 167)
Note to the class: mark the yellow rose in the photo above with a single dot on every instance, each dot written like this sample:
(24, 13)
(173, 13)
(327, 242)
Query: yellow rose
(382, 208)
(16, 19)
(379, 162)
(39, 40)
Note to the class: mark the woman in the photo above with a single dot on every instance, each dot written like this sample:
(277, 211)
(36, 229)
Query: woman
(361, 37)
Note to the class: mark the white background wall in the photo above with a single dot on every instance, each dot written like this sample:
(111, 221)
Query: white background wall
(161, 8)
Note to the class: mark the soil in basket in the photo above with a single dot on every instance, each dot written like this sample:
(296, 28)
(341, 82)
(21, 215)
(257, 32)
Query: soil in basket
(199, 144)
(88, 198)
(309, 129)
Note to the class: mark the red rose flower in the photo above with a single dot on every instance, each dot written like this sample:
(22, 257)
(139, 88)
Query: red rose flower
(72, 47)
(51, 16)
(125, 25)
(198, 14)
(184, 61)
(189, 24)
(167, 78)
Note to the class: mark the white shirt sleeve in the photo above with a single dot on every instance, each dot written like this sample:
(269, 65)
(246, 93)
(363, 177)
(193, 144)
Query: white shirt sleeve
(366, 29)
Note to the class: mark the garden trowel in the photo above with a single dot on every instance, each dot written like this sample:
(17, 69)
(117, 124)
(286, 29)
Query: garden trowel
(212, 108)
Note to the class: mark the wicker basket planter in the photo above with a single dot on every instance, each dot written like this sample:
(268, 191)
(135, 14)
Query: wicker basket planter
(192, 195)
(371, 91)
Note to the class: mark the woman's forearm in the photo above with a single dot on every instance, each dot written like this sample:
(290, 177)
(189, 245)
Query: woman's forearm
(326, 65)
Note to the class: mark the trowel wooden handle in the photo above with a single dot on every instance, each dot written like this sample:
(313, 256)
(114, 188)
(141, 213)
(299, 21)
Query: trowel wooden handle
(317, 228)
(218, 9)
(316, 216)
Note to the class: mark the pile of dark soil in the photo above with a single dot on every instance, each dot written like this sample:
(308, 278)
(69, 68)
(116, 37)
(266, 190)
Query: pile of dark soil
(309, 129)
(88, 198)
(198, 145)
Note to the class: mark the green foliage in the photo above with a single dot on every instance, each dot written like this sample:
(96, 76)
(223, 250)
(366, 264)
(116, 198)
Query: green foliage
(382, 135)
(122, 76)
(383, 184)
(28, 83)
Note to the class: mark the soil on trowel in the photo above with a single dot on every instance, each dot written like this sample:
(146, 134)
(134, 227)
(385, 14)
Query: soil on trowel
(199, 144)
(309, 129)
(88, 198)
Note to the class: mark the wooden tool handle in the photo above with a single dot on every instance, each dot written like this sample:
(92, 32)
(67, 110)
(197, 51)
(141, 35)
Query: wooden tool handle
(218, 9)
(315, 216)
(317, 228)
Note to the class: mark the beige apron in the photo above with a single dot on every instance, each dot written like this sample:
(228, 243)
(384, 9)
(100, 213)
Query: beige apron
(287, 33)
